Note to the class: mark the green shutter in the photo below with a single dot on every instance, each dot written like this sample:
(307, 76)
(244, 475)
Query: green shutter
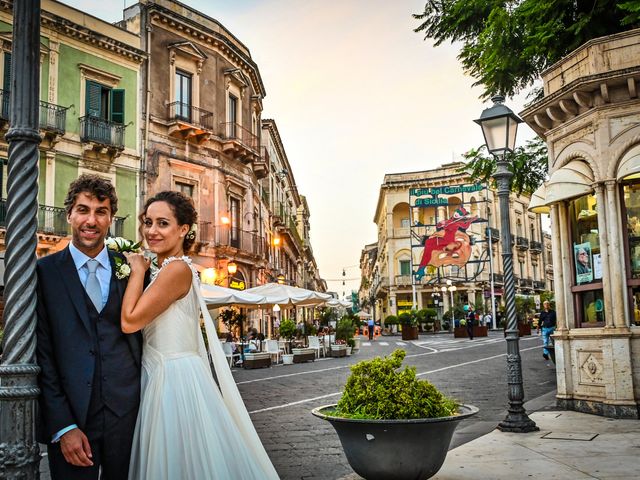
(6, 81)
(117, 106)
(93, 99)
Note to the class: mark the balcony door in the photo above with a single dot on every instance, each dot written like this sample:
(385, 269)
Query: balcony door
(183, 95)
(233, 116)
(103, 106)
(234, 212)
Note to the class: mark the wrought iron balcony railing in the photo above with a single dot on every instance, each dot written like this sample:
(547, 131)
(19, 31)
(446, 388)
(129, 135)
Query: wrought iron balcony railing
(522, 243)
(53, 221)
(495, 234)
(526, 283)
(52, 119)
(102, 132)
(226, 236)
(535, 247)
(198, 117)
(498, 278)
(235, 131)
(538, 285)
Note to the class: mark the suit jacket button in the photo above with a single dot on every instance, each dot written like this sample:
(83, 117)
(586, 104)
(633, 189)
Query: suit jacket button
(91, 352)
(88, 384)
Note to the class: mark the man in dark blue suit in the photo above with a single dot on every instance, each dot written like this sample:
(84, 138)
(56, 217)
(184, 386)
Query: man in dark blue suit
(90, 370)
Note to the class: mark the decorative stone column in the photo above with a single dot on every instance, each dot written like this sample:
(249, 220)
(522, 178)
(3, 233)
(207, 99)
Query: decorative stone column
(609, 310)
(565, 264)
(618, 275)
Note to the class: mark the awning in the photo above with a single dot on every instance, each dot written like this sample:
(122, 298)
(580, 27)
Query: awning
(630, 165)
(572, 180)
(538, 203)
(276, 293)
(215, 295)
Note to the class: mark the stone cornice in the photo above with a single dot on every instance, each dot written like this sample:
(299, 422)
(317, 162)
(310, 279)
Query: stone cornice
(161, 15)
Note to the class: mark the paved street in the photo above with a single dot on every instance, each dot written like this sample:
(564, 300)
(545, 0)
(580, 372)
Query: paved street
(301, 446)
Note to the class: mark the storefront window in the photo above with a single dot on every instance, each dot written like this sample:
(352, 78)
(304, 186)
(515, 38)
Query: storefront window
(631, 195)
(587, 263)
(635, 317)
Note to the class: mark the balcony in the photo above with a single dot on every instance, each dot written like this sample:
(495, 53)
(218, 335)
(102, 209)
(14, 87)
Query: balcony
(535, 247)
(53, 221)
(498, 278)
(494, 233)
(522, 243)
(239, 141)
(237, 240)
(261, 164)
(203, 234)
(293, 232)
(52, 119)
(279, 214)
(401, 232)
(403, 280)
(526, 283)
(538, 285)
(102, 134)
(189, 123)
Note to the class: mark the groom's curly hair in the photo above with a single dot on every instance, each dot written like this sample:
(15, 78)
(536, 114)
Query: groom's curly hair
(182, 207)
(95, 185)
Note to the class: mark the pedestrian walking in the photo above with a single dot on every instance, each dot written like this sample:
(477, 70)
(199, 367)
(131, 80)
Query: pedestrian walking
(548, 324)
(487, 320)
(471, 317)
(371, 327)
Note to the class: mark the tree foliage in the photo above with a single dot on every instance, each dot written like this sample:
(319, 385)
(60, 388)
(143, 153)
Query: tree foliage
(528, 163)
(507, 44)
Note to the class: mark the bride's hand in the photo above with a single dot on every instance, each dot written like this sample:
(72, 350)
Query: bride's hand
(138, 262)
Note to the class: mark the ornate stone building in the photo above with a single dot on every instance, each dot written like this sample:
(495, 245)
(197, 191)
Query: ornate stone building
(387, 266)
(590, 119)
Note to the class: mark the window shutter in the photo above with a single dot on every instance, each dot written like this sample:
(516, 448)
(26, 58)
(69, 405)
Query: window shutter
(117, 106)
(93, 99)
(6, 81)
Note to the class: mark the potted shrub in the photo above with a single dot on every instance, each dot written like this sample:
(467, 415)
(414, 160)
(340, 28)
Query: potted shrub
(350, 344)
(390, 321)
(392, 424)
(409, 322)
(344, 331)
(288, 331)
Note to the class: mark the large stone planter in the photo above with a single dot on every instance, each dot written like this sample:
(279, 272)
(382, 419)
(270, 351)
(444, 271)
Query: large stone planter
(356, 345)
(338, 350)
(303, 355)
(395, 449)
(478, 331)
(409, 333)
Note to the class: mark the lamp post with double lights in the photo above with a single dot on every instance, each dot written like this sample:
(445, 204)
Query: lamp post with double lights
(499, 127)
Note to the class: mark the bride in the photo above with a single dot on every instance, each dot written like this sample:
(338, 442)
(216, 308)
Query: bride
(188, 428)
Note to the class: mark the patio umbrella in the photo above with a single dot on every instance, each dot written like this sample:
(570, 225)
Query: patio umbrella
(335, 302)
(276, 293)
(215, 295)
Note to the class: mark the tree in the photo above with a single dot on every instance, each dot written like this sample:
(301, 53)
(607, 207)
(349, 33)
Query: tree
(528, 163)
(507, 44)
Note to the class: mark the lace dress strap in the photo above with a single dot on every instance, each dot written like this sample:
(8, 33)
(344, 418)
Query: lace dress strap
(167, 261)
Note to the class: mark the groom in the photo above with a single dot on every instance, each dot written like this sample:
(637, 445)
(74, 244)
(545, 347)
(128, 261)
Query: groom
(90, 370)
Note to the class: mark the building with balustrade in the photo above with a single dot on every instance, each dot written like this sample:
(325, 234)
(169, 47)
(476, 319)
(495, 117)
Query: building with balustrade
(589, 117)
(387, 281)
(202, 134)
(89, 73)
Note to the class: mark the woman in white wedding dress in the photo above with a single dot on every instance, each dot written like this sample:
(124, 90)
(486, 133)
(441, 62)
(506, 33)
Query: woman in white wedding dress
(188, 427)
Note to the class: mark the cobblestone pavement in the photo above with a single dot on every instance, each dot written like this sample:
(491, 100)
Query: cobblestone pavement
(301, 446)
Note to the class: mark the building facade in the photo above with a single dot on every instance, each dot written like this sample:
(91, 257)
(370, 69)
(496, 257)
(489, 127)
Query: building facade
(390, 266)
(89, 77)
(589, 117)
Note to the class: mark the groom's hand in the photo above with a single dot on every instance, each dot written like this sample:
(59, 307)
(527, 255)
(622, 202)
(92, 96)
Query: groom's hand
(76, 449)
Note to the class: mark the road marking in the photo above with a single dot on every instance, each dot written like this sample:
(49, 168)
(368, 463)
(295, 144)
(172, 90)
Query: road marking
(366, 344)
(384, 344)
(275, 377)
(402, 344)
(307, 400)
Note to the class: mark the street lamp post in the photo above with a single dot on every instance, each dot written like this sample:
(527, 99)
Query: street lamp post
(450, 288)
(19, 452)
(499, 126)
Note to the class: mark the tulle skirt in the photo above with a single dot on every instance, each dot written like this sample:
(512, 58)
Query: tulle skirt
(184, 431)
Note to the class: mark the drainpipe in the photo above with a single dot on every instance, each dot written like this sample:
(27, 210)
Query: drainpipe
(147, 102)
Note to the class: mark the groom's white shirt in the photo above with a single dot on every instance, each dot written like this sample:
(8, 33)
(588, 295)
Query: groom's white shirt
(104, 277)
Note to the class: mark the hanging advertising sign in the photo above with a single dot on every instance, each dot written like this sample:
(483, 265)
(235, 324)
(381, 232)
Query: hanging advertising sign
(445, 242)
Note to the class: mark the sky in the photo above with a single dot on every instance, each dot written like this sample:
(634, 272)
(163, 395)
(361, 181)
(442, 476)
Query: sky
(356, 94)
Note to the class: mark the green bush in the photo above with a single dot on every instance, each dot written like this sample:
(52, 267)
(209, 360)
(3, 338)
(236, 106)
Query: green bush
(391, 320)
(345, 328)
(408, 318)
(377, 389)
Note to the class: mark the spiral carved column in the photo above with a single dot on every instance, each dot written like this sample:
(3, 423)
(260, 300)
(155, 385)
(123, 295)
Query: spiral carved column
(19, 453)
(516, 419)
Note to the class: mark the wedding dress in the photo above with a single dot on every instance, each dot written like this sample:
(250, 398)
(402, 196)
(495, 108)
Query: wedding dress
(188, 427)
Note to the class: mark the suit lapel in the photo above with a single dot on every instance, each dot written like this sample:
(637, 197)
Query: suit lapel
(71, 281)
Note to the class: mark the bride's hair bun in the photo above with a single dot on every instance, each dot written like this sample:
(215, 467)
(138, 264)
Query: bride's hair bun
(183, 209)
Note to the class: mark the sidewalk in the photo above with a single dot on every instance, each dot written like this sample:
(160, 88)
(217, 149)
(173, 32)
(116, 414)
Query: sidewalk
(569, 445)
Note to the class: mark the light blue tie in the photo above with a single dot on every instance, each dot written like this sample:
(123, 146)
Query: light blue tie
(92, 285)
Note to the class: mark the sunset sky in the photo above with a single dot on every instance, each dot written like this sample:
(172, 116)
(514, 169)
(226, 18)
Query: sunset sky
(356, 94)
